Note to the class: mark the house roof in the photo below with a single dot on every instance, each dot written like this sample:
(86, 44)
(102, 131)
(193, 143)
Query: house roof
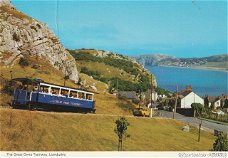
(224, 97)
(213, 98)
(128, 94)
(183, 94)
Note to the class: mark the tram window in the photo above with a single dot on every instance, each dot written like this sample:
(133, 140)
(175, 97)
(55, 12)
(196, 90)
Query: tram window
(44, 89)
(89, 96)
(64, 92)
(73, 94)
(55, 91)
(81, 95)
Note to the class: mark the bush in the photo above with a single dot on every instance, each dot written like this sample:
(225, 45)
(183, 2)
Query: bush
(221, 143)
(162, 91)
(136, 101)
(16, 37)
(209, 115)
(9, 87)
(23, 62)
(38, 25)
(198, 108)
(34, 28)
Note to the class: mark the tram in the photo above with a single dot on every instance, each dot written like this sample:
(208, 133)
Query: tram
(35, 93)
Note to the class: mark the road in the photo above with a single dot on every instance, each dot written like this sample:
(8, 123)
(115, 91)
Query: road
(195, 121)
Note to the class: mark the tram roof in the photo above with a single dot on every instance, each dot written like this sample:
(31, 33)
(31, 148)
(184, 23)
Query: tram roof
(38, 81)
(28, 80)
(65, 87)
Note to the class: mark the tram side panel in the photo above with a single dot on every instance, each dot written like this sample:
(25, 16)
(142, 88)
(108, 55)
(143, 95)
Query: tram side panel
(22, 98)
(65, 101)
(19, 98)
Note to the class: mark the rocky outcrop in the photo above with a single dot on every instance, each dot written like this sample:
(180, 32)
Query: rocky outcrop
(22, 35)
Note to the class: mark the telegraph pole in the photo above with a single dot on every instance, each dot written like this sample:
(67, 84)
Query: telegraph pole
(11, 75)
(175, 106)
(117, 92)
(151, 91)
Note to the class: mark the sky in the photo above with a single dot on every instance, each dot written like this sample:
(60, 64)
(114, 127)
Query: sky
(177, 28)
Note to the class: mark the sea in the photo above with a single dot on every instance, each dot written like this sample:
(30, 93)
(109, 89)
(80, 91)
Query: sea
(203, 82)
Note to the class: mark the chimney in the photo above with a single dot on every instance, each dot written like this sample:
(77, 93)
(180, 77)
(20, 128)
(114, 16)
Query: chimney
(189, 88)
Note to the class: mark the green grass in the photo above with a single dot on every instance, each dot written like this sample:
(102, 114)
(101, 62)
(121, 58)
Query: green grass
(80, 132)
(107, 71)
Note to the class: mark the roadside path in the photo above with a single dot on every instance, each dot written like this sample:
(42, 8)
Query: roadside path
(211, 126)
(195, 121)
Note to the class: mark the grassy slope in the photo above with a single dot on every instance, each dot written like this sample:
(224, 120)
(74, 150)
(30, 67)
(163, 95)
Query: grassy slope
(49, 74)
(107, 103)
(106, 70)
(77, 132)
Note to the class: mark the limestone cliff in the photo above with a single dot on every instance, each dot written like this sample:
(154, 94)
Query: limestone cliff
(21, 35)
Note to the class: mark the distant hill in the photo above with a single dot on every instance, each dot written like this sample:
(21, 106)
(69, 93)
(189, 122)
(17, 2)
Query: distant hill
(211, 62)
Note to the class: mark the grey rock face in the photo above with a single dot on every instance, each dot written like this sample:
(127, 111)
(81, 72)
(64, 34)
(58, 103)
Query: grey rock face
(20, 34)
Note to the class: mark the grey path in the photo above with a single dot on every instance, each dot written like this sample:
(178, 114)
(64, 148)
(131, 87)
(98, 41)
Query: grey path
(194, 121)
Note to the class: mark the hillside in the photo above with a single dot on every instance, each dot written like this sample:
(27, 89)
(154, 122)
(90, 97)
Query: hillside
(28, 48)
(22, 36)
(48, 131)
(211, 62)
(113, 69)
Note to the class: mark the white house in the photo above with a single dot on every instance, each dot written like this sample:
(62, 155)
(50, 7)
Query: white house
(213, 101)
(162, 96)
(186, 98)
(154, 96)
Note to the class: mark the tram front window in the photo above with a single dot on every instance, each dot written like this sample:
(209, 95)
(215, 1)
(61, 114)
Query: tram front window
(35, 88)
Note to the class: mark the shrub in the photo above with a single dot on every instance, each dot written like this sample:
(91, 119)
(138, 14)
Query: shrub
(221, 143)
(16, 37)
(198, 108)
(23, 62)
(136, 101)
(9, 87)
(34, 28)
(38, 25)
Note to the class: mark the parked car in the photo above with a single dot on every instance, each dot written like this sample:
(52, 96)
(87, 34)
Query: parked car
(141, 112)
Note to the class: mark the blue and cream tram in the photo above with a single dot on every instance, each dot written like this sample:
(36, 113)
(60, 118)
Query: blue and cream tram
(35, 93)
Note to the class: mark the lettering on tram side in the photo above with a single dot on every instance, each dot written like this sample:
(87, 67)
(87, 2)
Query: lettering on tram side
(75, 104)
(65, 102)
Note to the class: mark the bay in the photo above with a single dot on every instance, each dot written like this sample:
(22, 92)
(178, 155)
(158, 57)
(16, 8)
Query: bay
(203, 82)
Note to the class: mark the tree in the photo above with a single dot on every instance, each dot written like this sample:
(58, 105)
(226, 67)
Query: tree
(198, 108)
(221, 143)
(121, 131)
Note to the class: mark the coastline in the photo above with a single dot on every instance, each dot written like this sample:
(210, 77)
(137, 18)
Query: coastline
(198, 68)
